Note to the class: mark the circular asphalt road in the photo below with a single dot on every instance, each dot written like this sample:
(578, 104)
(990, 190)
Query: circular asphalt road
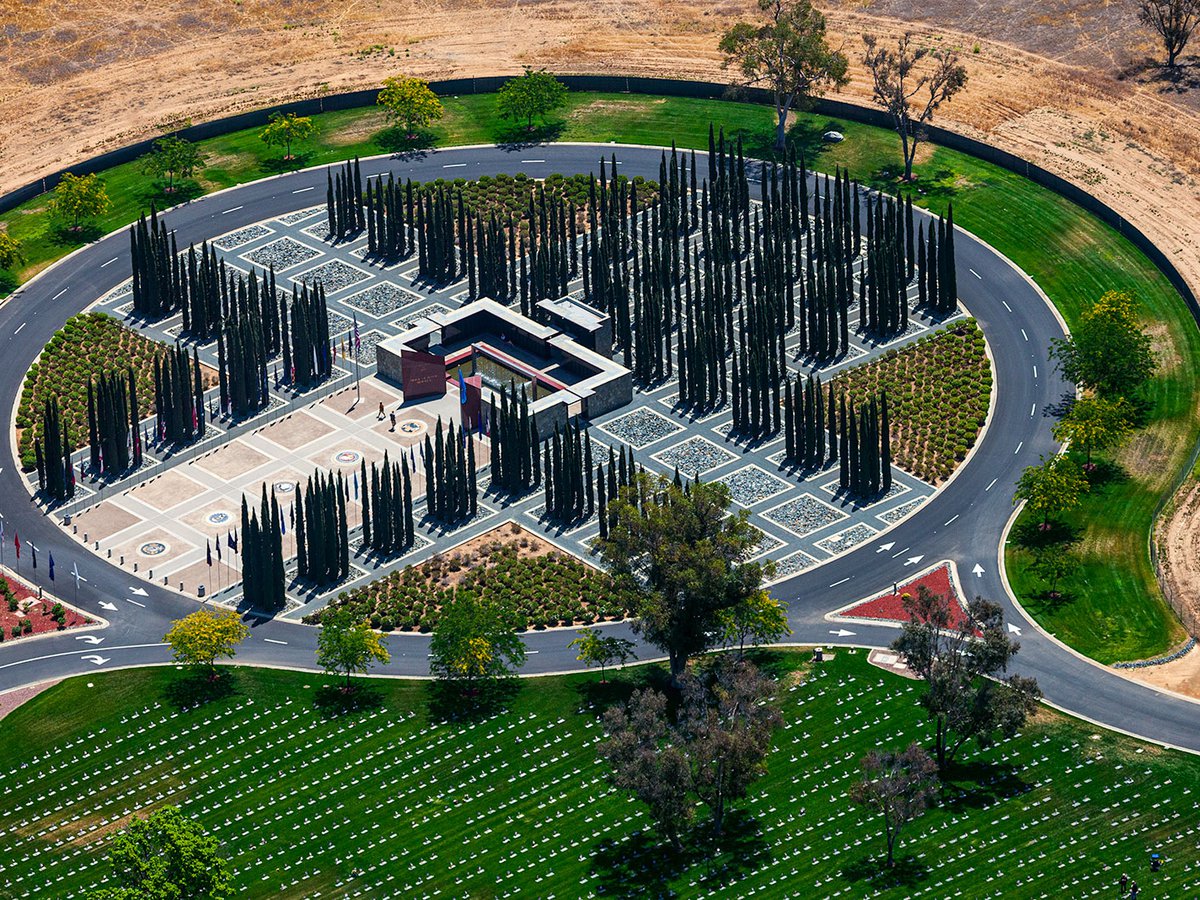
(965, 522)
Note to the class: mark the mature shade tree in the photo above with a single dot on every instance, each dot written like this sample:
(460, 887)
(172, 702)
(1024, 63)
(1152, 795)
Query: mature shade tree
(1108, 351)
(1054, 486)
(963, 655)
(898, 786)
(531, 95)
(758, 619)
(411, 101)
(1052, 563)
(1095, 424)
(346, 645)
(199, 638)
(1173, 21)
(166, 856)
(286, 129)
(11, 253)
(475, 642)
(683, 557)
(78, 199)
(603, 650)
(646, 763)
(174, 159)
(911, 83)
(726, 726)
(788, 54)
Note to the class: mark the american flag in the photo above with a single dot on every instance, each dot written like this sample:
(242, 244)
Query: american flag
(357, 337)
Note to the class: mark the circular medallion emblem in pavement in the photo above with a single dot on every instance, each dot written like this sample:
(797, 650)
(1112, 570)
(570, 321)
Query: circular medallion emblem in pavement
(152, 548)
(412, 426)
(283, 487)
(220, 517)
(347, 457)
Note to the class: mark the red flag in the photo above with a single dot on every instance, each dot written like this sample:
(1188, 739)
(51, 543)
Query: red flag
(17, 543)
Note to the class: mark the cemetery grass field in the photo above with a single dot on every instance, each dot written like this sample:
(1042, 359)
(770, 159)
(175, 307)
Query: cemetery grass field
(1112, 608)
(312, 801)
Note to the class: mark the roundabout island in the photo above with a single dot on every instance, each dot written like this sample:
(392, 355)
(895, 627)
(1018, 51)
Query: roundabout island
(458, 365)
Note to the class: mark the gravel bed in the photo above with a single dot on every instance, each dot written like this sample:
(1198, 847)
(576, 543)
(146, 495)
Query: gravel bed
(382, 299)
(300, 215)
(370, 340)
(283, 253)
(804, 515)
(833, 488)
(790, 565)
(319, 230)
(851, 537)
(406, 321)
(242, 236)
(641, 428)
(753, 485)
(765, 544)
(895, 515)
(335, 275)
(339, 324)
(694, 456)
(121, 290)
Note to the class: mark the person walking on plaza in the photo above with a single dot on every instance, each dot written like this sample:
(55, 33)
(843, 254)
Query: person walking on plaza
(380, 411)
(393, 421)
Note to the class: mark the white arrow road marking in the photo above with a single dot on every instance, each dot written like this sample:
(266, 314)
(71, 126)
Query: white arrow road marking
(843, 581)
(139, 592)
(111, 607)
(978, 570)
(888, 546)
(273, 641)
(913, 560)
(90, 638)
(842, 632)
(1013, 628)
(135, 603)
(98, 660)
(21, 662)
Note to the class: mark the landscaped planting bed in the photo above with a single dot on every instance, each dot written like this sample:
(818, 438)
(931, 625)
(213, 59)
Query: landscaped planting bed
(938, 391)
(86, 346)
(23, 614)
(548, 589)
(507, 195)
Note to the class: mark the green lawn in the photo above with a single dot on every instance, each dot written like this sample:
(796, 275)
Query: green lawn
(385, 802)
(1114, 608)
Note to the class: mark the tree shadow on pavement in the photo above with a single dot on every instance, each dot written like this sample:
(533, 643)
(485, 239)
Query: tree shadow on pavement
(518, 137)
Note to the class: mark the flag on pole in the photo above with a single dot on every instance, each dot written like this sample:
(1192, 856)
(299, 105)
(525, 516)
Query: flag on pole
(17, 543)
(462, 389)
(231, 540)
(356, 484)
(51, 565)
(357, 337)
(218, 543)
(208, 552)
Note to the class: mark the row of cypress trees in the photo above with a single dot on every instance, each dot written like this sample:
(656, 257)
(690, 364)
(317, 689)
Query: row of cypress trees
(113, 430)
(451, 489)
(263, 580)
(344, 200)
(322, 541)
(610, 480)
(179, 397)
(515, 464)
(866, 459)
(567, 455)
(387, 507)
(52, 449)
(937, 279)
(805, 423)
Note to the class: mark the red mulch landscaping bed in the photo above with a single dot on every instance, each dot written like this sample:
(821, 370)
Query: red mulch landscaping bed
(890, 606)
(32, 616)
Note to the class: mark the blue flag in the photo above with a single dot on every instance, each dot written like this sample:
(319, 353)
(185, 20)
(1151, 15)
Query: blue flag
(52, 565)
(462, 389)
